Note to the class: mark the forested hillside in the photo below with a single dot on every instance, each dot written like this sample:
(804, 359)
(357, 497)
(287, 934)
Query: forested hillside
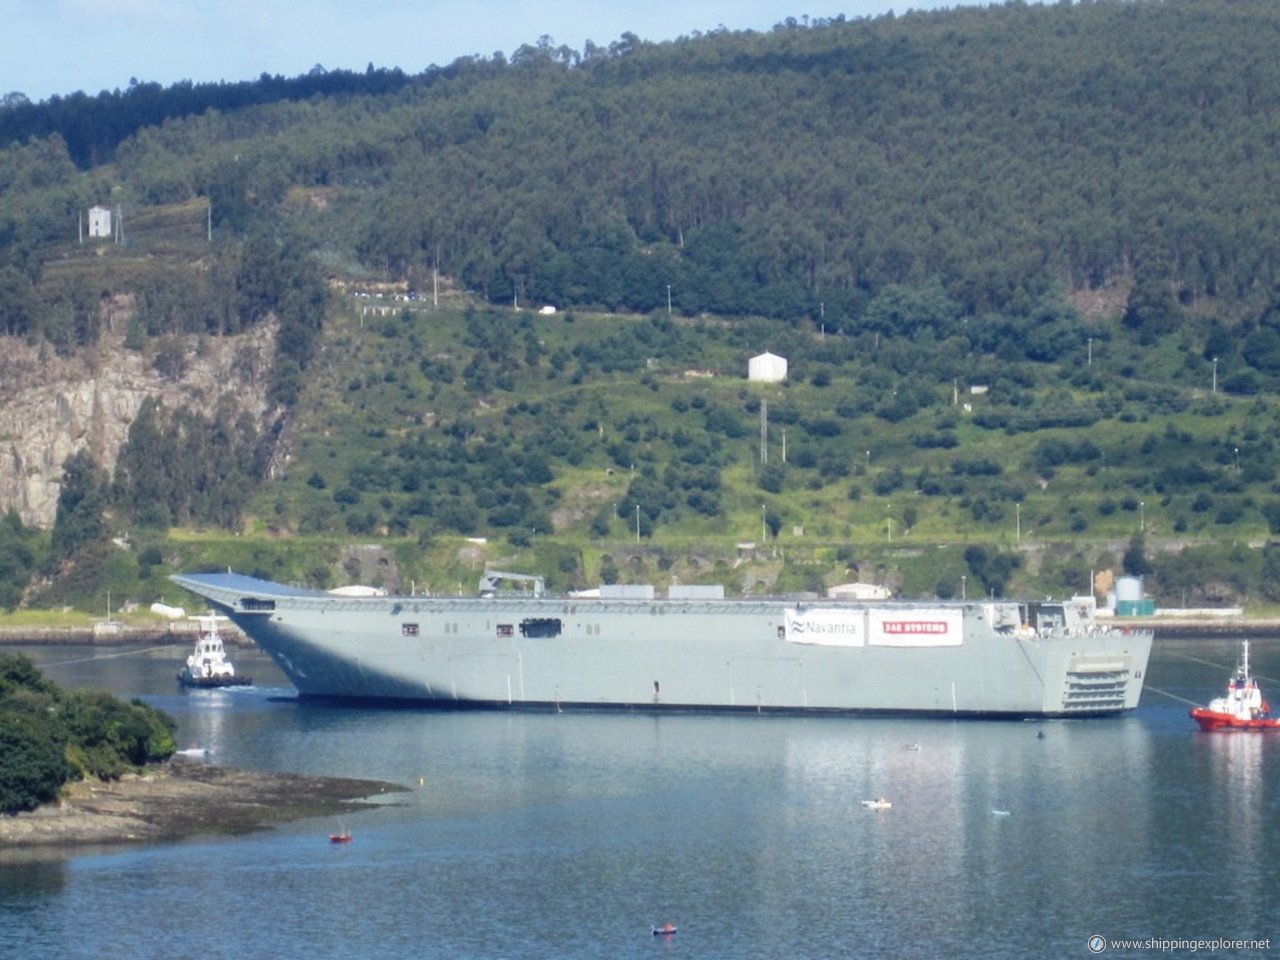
(1022, 259)
(1005, 152)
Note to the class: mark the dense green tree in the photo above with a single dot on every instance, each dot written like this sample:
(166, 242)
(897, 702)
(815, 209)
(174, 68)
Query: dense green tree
(82, 501)
(17, 302)
(1271, 510)
(993, 569)
(48, 736)
(110, 737)
(1135, 562)
(1271, 573)
(182, 467)
(1151, 310)
(19, 673)
(772, 476)
(33, 765)
(1261, 350)
(141, 484)
(19, 558)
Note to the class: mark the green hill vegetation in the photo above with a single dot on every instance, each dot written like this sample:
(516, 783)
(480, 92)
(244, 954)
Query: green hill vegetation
(1021, 261)
(49, 736)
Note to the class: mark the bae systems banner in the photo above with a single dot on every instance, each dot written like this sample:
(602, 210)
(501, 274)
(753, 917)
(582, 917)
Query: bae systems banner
(831, 628)
(915, 628)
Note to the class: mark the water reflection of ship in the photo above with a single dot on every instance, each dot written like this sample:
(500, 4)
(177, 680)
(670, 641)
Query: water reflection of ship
(1237, 770)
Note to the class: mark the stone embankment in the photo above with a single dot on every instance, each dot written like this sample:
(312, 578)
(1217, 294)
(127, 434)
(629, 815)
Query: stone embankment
(1175, 628)
(116, 635)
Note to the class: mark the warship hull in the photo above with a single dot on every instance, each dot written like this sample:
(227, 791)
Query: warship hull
(769, 655)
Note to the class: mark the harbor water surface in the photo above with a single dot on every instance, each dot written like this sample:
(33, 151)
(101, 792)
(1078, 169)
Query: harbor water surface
(572, 834)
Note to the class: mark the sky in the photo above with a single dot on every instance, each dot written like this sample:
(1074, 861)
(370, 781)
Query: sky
(50, 47)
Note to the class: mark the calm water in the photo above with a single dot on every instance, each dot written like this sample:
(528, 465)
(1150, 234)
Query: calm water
(568, 835)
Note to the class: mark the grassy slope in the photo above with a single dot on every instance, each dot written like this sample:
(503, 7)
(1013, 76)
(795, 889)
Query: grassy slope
(366, 392)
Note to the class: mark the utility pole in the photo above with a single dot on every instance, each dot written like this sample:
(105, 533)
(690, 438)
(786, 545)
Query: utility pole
(764, 432)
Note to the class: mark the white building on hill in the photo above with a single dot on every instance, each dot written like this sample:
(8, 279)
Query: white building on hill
(858, 591)
(99, 222)
(767, 368)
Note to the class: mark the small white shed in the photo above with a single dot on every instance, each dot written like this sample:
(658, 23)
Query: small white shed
(767, 368)
(99, 222)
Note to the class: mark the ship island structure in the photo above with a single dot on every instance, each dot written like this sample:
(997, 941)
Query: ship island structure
(693, 649)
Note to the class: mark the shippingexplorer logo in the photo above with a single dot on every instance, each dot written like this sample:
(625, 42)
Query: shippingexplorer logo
(1099, 944)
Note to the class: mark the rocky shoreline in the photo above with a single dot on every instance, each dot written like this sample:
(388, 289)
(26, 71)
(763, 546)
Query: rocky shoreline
(180, 799)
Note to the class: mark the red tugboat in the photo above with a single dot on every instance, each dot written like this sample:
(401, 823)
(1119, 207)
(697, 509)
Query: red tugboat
(1242, 708)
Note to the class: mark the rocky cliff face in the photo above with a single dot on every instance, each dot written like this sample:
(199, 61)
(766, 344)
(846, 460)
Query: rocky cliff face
(51, 406)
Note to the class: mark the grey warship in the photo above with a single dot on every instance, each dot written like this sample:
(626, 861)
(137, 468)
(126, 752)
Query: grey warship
(692, 649)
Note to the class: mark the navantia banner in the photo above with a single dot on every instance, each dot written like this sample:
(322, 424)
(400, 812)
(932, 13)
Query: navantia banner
(831, 628)
(915, 628)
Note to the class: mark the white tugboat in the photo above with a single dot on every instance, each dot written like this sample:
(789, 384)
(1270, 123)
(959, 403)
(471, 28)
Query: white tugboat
(208, 666)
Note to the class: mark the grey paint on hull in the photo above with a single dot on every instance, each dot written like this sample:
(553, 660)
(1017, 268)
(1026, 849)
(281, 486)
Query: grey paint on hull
(690, 654)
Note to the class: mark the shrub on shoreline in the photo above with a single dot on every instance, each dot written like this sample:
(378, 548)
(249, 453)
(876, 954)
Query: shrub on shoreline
(49, 736)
